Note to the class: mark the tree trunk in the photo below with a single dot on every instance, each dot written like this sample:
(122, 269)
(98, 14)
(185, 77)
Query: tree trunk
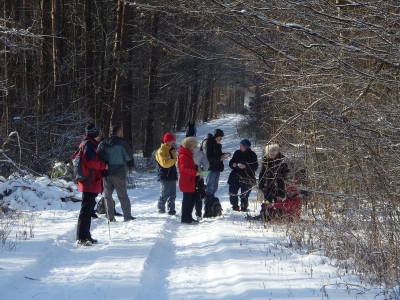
(88, 68)
(153, 88)
(120, 48)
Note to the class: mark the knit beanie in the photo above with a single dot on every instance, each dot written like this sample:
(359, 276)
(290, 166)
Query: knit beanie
(218, 132)
(92, 131)
(168, 137)
(246, 143)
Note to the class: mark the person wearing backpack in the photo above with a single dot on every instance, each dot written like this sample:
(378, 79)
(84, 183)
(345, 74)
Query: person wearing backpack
(244, 164)
(187, 179)
(119, 157)
(91, 186)
(167, 174)
(201, 161)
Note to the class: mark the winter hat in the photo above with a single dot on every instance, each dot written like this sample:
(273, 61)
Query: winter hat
(218, 132)
(272, 149)
(292, 188)
(168, 137)
(246, 143)
(92, 131)
(189, 143)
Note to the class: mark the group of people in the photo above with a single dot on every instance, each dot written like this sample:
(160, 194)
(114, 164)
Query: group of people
(107, 161)
(192, 161)
(106, 169)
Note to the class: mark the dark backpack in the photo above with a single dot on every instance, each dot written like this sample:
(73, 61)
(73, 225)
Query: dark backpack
(212, 208)
(100, 152)
(101, 206)
(78, 170)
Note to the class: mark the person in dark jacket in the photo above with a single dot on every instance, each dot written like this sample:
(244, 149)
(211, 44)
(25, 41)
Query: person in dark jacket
(273, 172)
(244, 164)
(167, 175)
(119, 157)
(187, 179)
(90, 187)
(191, 128)
(212, 147)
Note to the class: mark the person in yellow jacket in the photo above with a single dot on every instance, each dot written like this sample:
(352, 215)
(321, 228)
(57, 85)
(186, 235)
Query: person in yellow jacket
(167, 174)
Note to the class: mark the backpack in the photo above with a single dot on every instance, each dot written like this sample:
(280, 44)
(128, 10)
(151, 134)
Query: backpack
(79, 172)
(101, 206)
(212, 208)
(100, 152)
(202, 143)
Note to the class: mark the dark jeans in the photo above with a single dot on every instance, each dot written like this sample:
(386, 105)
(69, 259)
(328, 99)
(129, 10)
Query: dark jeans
(245, 190)
(188, 202)
(85, 215)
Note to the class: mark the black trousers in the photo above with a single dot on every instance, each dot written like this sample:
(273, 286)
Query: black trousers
(85, 215)
(198, 203)
(188, 202)
(245, 190)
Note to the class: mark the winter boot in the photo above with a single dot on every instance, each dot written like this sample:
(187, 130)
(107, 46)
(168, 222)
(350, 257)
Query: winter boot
(92, 240)
(234, 202)
(244, 204)
(83, 243)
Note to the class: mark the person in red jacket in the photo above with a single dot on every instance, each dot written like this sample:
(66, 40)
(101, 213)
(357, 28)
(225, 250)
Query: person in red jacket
(91, 186)
(289, 208)
(187, 179)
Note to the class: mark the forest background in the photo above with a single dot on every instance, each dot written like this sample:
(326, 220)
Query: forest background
(323, 77)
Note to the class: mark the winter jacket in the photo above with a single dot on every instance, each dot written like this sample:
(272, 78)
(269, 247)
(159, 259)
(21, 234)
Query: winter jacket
(187, 170)
(200, 159)
(166, 159)
(213, 151)
(90, 160)
(272, 169)
(249, 158)
(117, 154)
(290, 206)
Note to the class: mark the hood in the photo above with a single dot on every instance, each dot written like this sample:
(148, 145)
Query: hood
(111, 140)
(209, 136)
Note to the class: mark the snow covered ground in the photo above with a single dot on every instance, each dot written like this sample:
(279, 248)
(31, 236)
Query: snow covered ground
(155, 257)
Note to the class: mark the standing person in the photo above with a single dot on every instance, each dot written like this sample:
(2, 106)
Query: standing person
(273, 173)
(119, 157)
(90, 187)
(191, 129)
(201, 161)
(187, 178)
(244, 165)
(212, 147)
(167, 174)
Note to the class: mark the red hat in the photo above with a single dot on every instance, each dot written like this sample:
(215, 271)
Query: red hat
(292, 188)
(168, 137)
